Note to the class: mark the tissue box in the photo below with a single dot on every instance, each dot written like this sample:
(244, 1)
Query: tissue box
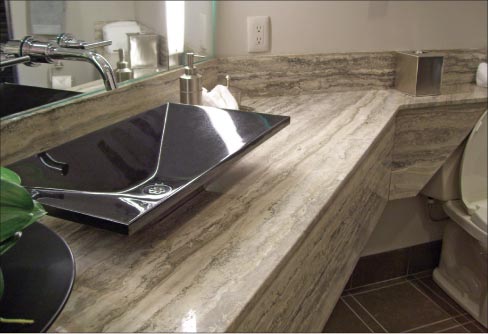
(419, 73)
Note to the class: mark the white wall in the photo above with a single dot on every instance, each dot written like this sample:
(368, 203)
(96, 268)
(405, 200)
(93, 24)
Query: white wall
(152, 14)
(198, 26)
(404, 223)
(300, 27)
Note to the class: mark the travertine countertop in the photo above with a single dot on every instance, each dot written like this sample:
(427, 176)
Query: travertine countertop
(199, 269)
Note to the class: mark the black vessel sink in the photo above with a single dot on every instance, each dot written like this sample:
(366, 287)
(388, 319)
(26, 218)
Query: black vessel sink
(16, 98)
(138, 170)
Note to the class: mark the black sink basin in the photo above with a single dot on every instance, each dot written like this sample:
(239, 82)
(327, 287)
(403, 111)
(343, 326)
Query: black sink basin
(138, 170)
(16, 98)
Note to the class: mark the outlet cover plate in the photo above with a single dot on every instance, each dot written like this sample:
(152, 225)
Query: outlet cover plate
(258, 33)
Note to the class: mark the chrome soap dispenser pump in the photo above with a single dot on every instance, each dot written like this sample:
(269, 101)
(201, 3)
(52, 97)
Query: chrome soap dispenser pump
(123, 71)
(191, 82)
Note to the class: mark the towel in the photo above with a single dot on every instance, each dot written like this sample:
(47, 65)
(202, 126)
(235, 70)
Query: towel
(117, 33)
(219, 97)
(481, 75)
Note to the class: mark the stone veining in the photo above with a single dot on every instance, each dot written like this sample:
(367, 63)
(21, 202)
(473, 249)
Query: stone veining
(423, 145)
(218, 262)
(297, 74)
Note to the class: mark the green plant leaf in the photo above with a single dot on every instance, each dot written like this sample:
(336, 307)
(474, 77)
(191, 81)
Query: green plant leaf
(7, 244)
(13, 220)
(12, 194)
(17, 209)
(9, 175)
(38, 210)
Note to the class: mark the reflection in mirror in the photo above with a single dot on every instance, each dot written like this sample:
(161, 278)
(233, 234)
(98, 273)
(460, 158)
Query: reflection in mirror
(190, 29)
(148, 37)
(91, 21)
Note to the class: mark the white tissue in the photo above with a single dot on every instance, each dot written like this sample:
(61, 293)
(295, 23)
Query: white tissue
(61, 81)
(481, 75)
(219, 97)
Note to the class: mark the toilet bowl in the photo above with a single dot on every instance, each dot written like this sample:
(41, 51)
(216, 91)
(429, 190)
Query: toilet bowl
(461, 184)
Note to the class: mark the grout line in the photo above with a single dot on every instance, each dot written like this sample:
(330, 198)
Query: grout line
(357, 315)
(364, 308)
(445, 329)
(379, 288)
(461, 322)
(432, 323)
(431, 300)
(441, 298)
(480, 326)
(423, 273)
(386, 280)
(466, 321)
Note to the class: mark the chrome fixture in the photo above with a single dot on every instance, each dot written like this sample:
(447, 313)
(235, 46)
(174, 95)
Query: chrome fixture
(12, 60)
(48, 161)
(419, 73)
(191, 82)
(64, 47)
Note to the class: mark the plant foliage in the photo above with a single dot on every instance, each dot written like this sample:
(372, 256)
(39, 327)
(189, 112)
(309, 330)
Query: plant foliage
(17, 211)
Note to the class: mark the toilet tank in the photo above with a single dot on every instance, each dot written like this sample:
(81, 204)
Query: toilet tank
(445, 184)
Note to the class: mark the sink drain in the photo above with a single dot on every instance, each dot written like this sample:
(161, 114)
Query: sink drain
(157, 189)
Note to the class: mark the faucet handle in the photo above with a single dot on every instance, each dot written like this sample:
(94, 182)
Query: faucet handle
(11, 61)
(66, 40)
(190, 58)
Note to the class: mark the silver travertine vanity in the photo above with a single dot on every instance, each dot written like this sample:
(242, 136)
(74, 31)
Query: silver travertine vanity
(269, 245)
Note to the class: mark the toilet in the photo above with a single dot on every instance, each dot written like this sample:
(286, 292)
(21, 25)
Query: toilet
(461, 184)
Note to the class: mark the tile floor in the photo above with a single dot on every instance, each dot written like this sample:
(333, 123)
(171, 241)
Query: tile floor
(406, 304)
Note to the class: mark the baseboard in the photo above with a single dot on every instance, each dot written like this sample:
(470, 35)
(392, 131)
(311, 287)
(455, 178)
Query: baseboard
(397, 263)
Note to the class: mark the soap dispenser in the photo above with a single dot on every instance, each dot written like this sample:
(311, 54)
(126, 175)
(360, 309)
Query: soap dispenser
(191, 82)
(123, 71)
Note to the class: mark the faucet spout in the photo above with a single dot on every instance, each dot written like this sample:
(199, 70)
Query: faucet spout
(105, 69)
(101, 64)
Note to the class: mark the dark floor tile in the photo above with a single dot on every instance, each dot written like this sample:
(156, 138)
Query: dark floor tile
(436, 326)
(457, 329)
(380, 267)
(464, 319)
(452, 311)
(343, 320)
(475, 327)
(401, 307)
(452, 307)
(424, 257)
(374, 286)
(364, 315)
(347, 287)
(421, 274)
(483, 328)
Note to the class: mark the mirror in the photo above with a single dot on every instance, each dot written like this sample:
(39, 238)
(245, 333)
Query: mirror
(153, 34)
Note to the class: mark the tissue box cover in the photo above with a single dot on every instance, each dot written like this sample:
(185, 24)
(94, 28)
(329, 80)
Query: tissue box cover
(419, 73)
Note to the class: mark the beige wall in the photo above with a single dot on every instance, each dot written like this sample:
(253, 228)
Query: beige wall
(404, 223)
(348, 26)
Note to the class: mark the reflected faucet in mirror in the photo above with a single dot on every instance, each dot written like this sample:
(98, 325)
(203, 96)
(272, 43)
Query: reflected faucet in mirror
(65, 47)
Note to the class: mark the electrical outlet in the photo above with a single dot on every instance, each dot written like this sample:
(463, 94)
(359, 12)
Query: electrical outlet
(258, 33)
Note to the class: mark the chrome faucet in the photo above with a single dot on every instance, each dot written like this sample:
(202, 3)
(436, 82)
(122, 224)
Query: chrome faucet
(31, 52)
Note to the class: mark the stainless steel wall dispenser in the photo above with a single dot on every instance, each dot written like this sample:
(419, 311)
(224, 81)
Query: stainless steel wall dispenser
(419, 73)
